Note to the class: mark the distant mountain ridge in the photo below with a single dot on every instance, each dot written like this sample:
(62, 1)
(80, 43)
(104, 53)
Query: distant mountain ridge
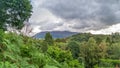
(55, 34)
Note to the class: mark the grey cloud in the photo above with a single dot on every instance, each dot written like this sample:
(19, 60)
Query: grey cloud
(86, 11)
(80, 26)
(45, 22)
(106, 15)
(50, 25)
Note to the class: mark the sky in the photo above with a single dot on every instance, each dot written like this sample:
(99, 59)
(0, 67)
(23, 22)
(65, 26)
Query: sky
(95, 16)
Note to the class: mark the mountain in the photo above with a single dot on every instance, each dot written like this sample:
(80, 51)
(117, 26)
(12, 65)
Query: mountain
(55, 34)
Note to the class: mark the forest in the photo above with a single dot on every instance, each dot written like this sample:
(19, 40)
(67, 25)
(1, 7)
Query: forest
(82, 50)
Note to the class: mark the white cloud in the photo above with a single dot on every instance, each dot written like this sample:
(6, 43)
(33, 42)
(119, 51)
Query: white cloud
(109, 30)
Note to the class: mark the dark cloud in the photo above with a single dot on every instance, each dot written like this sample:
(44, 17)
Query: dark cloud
(80, 26)
(50, 25)
(86, 13)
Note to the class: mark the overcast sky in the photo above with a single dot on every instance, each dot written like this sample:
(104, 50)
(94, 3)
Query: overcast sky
(96, 16)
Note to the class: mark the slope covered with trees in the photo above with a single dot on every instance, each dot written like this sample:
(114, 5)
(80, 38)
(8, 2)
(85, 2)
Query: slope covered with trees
(98, 50)
(18, 51)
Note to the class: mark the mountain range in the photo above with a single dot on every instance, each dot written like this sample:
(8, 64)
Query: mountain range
(55, 34)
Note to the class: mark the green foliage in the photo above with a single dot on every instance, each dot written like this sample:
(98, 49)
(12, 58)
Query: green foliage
(96, 48)
(17, 51)
(59, 55)
(44, 46)
(74, 48)
(62, 56)
(103, 46)
(81, 37)
(48, 39)
(48, 66)
(7, 65)
(109, 62)
(25, 52)
(14, 13)
(1, 35)
(115, 51)
(90, 53)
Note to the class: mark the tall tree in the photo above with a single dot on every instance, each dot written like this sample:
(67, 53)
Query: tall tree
(49, 39)
(74, 48)
(14, 12)
(90, 53)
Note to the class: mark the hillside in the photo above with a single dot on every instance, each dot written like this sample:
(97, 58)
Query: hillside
(82, 50)
(80, 37)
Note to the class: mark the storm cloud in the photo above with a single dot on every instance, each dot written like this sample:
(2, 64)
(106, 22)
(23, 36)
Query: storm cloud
(85, 14)
(50, 26)
(75, 15)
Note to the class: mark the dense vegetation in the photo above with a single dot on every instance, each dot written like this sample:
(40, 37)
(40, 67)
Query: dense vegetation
(13, 13)
(79, 51)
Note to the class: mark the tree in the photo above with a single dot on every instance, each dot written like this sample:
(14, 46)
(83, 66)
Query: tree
(115, 49)
(103, 46)
(14, 13)
(63, 56)
(44, 46)
(115, 37)
(114, 54)
(109, 40)
(74, 48)
(90, 53)
(48, 39)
